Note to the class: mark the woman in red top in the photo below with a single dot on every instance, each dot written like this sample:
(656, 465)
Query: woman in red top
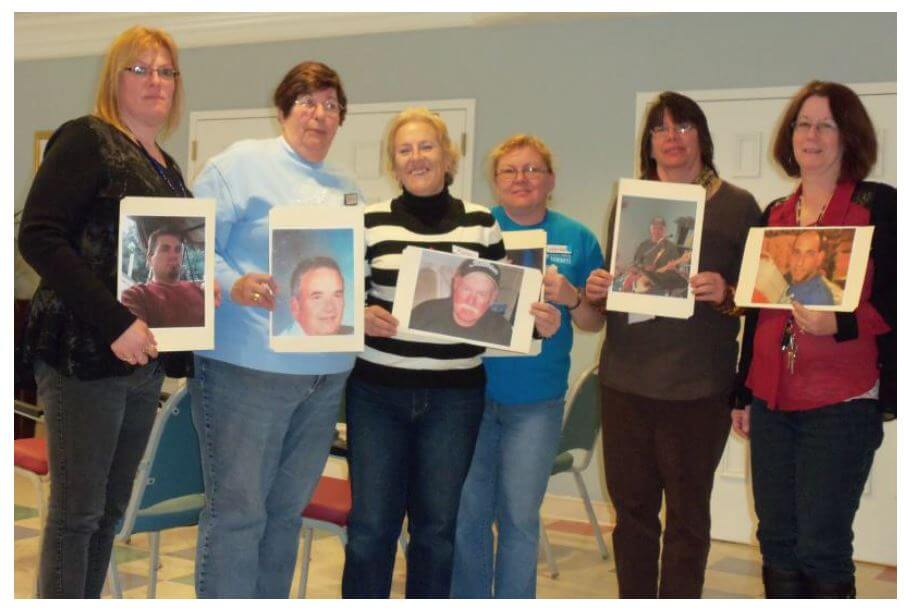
(819, 382)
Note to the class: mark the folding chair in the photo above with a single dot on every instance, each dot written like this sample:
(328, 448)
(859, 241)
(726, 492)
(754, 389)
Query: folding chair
(579, 433)
(168, 491)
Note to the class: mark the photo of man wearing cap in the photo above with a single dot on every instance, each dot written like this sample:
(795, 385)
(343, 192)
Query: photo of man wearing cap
(466, 313)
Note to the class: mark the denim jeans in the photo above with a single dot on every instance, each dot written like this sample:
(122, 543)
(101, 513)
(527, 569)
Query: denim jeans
(809, 468)
(96, 434)
(409, 451)
(264, 441)
(506, 483)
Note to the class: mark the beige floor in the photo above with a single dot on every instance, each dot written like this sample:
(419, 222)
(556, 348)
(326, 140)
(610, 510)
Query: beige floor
(732, 571)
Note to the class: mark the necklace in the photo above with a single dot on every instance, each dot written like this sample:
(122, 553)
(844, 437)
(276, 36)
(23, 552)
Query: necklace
(799, 205)
(178, 186)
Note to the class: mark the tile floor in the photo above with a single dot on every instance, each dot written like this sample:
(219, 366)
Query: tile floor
(732, 572)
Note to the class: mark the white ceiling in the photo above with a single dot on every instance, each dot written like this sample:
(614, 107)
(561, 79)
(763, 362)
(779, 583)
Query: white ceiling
(52, 35)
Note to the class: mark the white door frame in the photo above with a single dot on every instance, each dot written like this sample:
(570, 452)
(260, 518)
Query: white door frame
(465, 175)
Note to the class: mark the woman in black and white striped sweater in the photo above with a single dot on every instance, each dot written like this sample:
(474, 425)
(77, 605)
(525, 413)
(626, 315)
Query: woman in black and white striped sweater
(414, 404)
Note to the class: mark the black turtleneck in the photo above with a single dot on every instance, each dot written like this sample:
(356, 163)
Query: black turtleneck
(443, 223)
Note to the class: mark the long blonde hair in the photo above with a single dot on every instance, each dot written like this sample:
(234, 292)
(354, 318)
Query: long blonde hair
(124, 50)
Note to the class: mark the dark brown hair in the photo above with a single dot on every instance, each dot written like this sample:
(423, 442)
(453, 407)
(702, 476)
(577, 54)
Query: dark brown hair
(857, 136)
(681, 109)
(304, 79)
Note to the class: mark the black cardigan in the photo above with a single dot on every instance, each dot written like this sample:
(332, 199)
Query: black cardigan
(881, 200)
(69, 235)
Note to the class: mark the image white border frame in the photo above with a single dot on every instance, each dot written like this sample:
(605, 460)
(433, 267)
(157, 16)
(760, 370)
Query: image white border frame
(170, 339)
(313, 217)
(662, 306)
(863, 236)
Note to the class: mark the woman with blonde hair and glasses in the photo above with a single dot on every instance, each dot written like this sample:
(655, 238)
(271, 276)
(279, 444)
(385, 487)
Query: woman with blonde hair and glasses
(95, 363)
(521, 425)
(414, 404)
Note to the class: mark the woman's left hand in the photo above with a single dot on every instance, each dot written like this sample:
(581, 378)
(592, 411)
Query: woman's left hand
(557, 289)
(814, 322)
(708, 287)
(547, 318)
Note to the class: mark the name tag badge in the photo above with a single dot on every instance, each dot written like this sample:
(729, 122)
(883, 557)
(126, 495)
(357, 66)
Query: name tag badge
(459, 250)
(350, 199)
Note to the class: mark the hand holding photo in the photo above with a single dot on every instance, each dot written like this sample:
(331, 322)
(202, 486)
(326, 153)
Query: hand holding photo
(460, 298)
(820, 267)
(166, 268)
(656, 247)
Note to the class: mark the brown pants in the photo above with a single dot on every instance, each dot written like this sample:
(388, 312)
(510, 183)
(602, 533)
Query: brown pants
(651, 447)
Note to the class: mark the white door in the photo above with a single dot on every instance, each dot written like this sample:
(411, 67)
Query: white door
(357, 148)
(742, 124)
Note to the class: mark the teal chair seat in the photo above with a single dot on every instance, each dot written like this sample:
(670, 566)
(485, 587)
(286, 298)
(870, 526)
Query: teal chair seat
(177, 512)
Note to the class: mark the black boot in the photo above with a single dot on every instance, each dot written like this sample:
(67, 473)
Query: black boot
(783, 584)
(835, 590)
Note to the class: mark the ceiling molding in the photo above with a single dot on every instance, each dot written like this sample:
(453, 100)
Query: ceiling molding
(58, 35)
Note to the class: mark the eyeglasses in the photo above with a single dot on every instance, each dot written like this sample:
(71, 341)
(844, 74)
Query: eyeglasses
(681, 129)
(143, 71)
(309, 105)
(822, 128)
(510, 174)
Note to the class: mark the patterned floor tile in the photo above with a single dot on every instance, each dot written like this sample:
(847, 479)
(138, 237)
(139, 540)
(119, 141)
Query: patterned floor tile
(24, 512)
(21, 533)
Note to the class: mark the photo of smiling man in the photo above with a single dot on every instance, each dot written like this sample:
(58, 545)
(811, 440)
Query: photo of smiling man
(318, 299)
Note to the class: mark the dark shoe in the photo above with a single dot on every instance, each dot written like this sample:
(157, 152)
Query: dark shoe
(783, 584)
(819, 590)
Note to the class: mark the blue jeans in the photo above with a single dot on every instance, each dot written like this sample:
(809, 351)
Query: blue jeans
(96, 434)
(809, 468)
(409, 451)
(506, 483)
(264, 441)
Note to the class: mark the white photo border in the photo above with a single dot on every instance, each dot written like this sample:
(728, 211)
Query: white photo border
(679, 308)
(314, 217)
(856, 274)
(170, 339)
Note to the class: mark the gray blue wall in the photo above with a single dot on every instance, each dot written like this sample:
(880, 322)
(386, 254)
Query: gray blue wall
(573, 83)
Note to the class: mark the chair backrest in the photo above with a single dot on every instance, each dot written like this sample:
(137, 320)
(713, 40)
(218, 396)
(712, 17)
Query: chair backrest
(171, 465)
(582, 415)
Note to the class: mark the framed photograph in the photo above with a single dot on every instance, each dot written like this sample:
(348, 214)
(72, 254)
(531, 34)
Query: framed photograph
(41, 138)
(525, 248)
(460, 298)
(656, 247)
(166, 268)
(317, 261)
(820, 267)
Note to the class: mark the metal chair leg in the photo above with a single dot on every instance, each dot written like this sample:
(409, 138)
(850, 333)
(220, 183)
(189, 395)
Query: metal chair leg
(547, 550)
(113, 577)
(591, 516)
(154, 563)
(308, 536)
